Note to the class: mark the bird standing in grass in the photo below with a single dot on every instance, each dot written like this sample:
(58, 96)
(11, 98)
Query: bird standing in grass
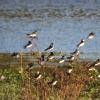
(28, 45)
(38, 75)
(2, 77)
(53, 82)
(81, 43)
(42, 60)
(96, 63)
(29, 66)
(69, 70)
(51, 56)
(15, 54)
(71, 58)
(62, 59)
(51, 46)
(91, 35)
(76, 52)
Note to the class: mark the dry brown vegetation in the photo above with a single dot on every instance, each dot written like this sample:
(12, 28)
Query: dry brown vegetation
(24, 85)
(68, 87)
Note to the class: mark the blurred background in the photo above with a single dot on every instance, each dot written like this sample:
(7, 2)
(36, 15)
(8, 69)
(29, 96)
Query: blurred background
(64, 22)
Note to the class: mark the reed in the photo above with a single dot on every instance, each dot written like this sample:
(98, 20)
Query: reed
(70, 86)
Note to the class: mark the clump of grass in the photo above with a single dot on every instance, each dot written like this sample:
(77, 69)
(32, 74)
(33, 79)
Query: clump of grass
(71, 86)
(11, 85)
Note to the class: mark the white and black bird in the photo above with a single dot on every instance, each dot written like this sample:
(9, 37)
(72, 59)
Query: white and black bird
(15, 54)
(69, 70)
(42, 60)
(76, 52)
(96, 63)
(50, 56)
(28, 45)
(51, 46)
(81, 43)
(53, 82)
(29, 66)
(91, 35)
(32, 35)
(38, 75)
(71, 58)
(2, 78)
(62, 59)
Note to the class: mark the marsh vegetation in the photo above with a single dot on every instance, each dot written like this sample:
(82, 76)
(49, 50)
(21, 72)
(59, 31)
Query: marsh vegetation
(17, 84)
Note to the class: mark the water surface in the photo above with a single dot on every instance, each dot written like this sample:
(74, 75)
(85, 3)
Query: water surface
(63, 24)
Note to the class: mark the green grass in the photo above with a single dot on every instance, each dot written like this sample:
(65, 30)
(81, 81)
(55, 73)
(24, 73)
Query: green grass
(81, 84)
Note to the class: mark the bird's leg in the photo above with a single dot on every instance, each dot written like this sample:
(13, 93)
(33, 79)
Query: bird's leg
(36, 46)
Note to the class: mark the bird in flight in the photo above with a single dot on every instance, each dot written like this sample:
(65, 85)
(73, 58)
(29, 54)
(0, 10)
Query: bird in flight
(50, 47)
(32, 35)
(28, 45)
(81, 43)
(91, 35)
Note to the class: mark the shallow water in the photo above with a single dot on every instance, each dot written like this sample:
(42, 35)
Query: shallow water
(63, 25)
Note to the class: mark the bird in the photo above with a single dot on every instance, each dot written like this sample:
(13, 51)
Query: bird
(28, 45)
(76, 52)
(29, 66)
(15, 54)
(32, 35)
(81, 43)
(51, 46)
(98, 76)
(71, 58)
(91, 35)
(50, 56)
(70, 70)
(42, 60)
(38, 75)
(53, 82)
(92, 69)
(95, 63)
(2, 78)
(62, 59)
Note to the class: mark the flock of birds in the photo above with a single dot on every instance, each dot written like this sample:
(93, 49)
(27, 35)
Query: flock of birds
(73, 55)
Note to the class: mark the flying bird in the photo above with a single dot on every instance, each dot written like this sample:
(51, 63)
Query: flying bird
(28, 45)
(32, 35)
(91, 35)
(81, 43)
(51, 46)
